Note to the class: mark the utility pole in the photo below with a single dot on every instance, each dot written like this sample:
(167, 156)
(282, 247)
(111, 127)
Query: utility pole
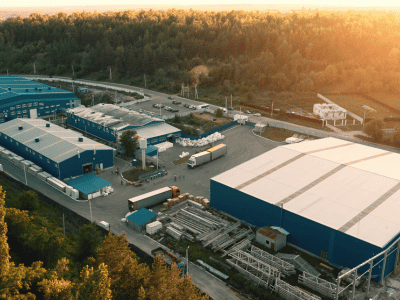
(226, 102)
(157, 158)
(34, 69)
(160, 111)
(144, 80)
(196, 95)
(110, 75)
(231, 101)
(63, 223)
(272, 108)
(26, 180)
(188, 90)
(7, 72)
(92, 100)
(73, 88)
(90, 207)
(182, 90)
(187, 261)
(73, 72)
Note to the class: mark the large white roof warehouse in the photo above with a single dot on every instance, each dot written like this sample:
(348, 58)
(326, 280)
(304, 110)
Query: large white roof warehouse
(329, 184)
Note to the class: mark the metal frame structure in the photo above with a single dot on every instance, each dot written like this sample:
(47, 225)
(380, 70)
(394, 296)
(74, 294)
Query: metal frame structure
(283, 266)
(289, 292)
(243, 245)
(256, 269)
(385, 254)
(320, 285)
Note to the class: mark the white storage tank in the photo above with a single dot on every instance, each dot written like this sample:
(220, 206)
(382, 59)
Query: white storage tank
(153, 227)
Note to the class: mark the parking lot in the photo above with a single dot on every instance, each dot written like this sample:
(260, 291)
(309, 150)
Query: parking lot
(242, 146)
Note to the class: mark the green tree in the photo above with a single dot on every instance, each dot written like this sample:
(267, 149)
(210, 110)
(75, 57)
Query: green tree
(129, 142)
(219, 113)
(374, 130)
(87, 241)
(28, 200)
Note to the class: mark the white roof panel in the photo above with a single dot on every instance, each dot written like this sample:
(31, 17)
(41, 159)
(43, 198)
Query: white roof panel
(316, 145)
(336, 199)
(152, 131)
(349, 153)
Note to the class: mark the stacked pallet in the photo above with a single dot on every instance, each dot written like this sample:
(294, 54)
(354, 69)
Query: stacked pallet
(170, 202)
(165, 205)
(206, 202)
(191, 197)
(181, 198)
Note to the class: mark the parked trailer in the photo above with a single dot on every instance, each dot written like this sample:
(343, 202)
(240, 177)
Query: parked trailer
(153, 197)
(204, 157)
(56, 184)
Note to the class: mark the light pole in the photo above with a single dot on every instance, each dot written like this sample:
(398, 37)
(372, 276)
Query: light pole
(26, 181)
(90, 207)
(187, 261)
(272, 108)
(157, 157)
(63, 224)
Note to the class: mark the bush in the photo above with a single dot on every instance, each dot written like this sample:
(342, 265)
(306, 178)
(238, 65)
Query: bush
(374, 130)
(218, 113)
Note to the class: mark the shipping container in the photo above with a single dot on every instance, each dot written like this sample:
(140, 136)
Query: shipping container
(56, 184)
(218, 151)
(154, 227)
(152, 198)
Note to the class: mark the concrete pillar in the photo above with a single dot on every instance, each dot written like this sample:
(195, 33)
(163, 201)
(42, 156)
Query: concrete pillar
(369, 276)
(384, 266)
(397, 257)
(354, 284)
(345, 122)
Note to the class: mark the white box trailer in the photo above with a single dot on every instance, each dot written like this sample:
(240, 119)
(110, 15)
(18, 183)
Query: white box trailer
(32, 171)
(153, 227)
(55, 184)
(105, 225)
(75, 194)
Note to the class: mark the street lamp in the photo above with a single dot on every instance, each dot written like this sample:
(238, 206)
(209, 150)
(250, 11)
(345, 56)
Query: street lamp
(90, 207)
(187, 261)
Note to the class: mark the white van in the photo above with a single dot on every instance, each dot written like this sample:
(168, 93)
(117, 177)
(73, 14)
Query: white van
(203, 106)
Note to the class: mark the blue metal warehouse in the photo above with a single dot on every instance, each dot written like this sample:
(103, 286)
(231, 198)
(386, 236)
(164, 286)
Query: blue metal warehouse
(23, 98)
(62, 153)
(108, 122)
(89, 185)
(339, 200)
(140, 218)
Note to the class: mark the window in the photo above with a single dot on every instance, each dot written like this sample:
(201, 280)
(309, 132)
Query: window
(5, 137)
(29, 104)
(13, 113)
(47, 112)
(107, 129)
(12, 108)
(40, 156)
(154, 141)
(41, 103)
(26, 148)
(48, 160)
(46, 107)
(162, 139)
(33, 152)
(58, 105)
(1, 115)
(99, 127)
(52, 106)
(266, 242)
(18, 106)
(23, 105)
(94, 125)
(177, 135)
(53, 110)
(35, 104)
(41, 107)
(76, 122)
(56, 165)
(17, 143)
(19, 117)
(24, 111)
(25, 116)
(1, 119)
(19, 112)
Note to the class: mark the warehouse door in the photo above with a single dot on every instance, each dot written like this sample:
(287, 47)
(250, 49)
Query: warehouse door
(170, 138)
(87, 168)
(33, 113)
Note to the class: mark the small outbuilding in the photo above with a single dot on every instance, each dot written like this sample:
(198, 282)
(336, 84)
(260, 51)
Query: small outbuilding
(140, 218)
(82, 90)
(273, 238)
(90, 186)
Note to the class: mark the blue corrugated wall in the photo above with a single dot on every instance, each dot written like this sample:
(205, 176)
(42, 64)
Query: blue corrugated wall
(83, 125)
(343, 250)
(70, 167)
(73, 166)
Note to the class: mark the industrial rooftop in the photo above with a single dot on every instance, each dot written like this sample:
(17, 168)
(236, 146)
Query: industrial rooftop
(55, 143)
(346, 186)
(113, 116)
(14, 88)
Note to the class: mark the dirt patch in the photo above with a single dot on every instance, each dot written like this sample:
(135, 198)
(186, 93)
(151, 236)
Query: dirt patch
(133, 175)
(220, 121)
(197, 71)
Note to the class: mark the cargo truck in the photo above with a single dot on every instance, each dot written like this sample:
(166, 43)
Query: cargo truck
(152, 198)
(201, 158)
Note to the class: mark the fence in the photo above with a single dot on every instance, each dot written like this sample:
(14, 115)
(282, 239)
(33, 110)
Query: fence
(354, 116)
(223, 127)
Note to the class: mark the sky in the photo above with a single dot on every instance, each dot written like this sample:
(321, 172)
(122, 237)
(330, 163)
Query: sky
(171, 3)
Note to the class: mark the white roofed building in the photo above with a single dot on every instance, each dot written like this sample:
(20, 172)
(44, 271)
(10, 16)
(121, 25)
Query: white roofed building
(340, 199)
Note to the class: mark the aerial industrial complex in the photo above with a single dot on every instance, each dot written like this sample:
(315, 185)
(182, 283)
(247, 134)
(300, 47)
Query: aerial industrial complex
(23, 98)
(62, 153)
(108, 122)
(337, 199)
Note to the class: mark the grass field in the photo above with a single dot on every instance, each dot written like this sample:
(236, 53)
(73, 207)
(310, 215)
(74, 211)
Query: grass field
(355, 104)
(389, 99)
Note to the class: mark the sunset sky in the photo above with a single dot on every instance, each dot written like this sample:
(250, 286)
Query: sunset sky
(171, 3)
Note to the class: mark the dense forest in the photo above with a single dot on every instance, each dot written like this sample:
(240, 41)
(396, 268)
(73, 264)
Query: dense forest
(38, 262)
(243, 50)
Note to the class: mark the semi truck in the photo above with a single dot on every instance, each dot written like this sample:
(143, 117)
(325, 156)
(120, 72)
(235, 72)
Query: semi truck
(201, 158)
(153, 197)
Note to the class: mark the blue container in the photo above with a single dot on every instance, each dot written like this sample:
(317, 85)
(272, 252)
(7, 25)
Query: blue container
(134, 162)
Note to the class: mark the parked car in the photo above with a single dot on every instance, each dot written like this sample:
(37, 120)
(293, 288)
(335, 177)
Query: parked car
(155, 105)
(174, 110)
(246, 112)
(257, 115)
(161, 105)
(192, 107)
(170, 97)
(176, 102)
(186, 105)
(231, 108)
(166, 108)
